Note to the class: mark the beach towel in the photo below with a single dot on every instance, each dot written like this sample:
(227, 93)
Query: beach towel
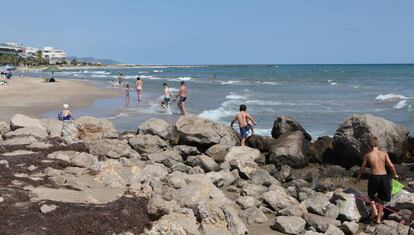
(396, 187)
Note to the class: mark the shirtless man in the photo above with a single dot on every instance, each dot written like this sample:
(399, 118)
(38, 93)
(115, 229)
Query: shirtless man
(139, 85)
(182, 93)
(167, 97)
(120, 79)
(243, 119)
(379, 183)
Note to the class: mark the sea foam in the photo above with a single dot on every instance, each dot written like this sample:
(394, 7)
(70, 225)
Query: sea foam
(390, 97)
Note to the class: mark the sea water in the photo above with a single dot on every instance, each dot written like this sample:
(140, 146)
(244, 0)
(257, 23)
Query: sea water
(320, 97)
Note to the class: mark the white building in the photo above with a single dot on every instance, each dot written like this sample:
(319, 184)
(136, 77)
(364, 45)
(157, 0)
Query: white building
(30, 51)
(54, 55)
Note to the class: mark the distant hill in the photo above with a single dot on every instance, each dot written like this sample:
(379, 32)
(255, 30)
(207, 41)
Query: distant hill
(93, 60)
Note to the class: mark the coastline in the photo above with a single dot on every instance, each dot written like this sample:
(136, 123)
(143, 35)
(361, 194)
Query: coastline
(32, 96)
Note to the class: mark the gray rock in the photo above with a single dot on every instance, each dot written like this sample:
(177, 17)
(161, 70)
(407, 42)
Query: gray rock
(20, 121)
(246, 168)
(149, 172)
(90, 128)
(246, 202)
(176, 223)
(111, 148)
(289, 224)
(80, 159)
(262, 143)
(218, 152)
(350, 228)
(291, 149)
(180, 167)
(186, 151)
(234, 224)
(333, 230)
(210, 229)
(351, 138)
(5, 163)
(17, 153)
(197, 131)
(284, 174)
(322, 151)
(263, 177)
(285, 125)
(253, 190)
(160, 157)
(4, 128)
(70, 132)
(47, 208)
(278, 199)
(196, 170)
(20, 141)
(253, 215)
(147, 143)
(348, 210)
(309, 232)
(158, 206)
(53, 127)
(1, 199)
(206, 163)
(156, 126)
(221, 178)
(317, 203)
(39, 145)
(403, 200)
(319, 222)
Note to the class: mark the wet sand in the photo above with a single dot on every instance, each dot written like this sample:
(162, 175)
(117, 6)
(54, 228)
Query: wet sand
(33, 96)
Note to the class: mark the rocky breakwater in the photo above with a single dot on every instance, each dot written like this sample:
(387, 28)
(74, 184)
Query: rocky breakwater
(188, 178)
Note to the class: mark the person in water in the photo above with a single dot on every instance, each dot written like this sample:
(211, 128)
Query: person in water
(182, 95)
(139, 85)
(127, 94)
(120, 79)
(167, 97)
(379, 183)
(243, 118)
(65, 114)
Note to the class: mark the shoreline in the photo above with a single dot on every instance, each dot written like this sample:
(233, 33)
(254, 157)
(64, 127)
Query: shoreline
(31, 96)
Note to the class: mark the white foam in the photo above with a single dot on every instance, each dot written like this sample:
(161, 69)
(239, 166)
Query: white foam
(402, 104)
(265, 132)
(390, 97)
(271, 83)
(234, 96)
(263, 102)
(158, 71)
(219, 113)
(181, 79)
(334, 83)
(230, 82)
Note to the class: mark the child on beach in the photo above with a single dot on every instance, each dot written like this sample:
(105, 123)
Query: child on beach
(65, 114)
(243, 118)
(167, 97)
(127, 95)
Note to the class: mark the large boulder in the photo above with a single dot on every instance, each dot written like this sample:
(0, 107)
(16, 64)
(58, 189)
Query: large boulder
(20, 121)
(53, 127)
(204, 133)
(90, 128)
(176, 223)
(284, 125)
(402, 200)
(80, 159)
(205, 162)
(111, 148)
(218, 152)
(143, 143)
(156, 126)
(289, 224)
(4, 127)
(322, 151)
(38, 133)
(277, 199)
(351, 138)
(262, 143)
(319, 222)
(291, 149)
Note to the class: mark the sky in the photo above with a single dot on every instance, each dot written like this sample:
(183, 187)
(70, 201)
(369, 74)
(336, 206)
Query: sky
(217, 31)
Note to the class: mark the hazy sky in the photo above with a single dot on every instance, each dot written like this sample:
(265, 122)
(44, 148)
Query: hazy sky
(217, 31)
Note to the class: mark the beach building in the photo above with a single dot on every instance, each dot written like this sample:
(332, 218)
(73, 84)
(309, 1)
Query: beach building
(10, 49)
(54, 55)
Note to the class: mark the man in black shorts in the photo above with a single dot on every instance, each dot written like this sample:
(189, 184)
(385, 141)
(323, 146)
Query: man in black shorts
(379, 183)
(182, 94)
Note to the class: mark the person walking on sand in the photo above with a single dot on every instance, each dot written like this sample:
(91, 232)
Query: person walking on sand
(243, 118)
(167, 98)
(139, 84)
(120, 79)
(182, 94)
(379, 183)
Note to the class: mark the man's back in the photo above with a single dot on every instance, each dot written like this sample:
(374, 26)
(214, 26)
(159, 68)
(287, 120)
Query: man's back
(242, 119)
(377, 160)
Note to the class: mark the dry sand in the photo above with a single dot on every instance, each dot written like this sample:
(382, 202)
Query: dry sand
(33, 96)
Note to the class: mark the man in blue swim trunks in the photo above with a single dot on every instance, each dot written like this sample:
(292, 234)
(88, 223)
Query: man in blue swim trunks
(167, 98)
(243, 119)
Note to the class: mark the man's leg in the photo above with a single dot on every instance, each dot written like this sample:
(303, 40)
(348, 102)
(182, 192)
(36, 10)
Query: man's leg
(243, 140)
(380, 210)
(183, 107)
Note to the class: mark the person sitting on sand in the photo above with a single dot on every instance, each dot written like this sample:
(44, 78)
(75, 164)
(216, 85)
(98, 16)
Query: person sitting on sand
(243, 119)
(65, 114)
(167, 97)
(379, 183)
(182, 93)
(139, 85)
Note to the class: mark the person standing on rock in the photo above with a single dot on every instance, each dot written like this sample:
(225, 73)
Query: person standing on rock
(243, 118)
(379, 183)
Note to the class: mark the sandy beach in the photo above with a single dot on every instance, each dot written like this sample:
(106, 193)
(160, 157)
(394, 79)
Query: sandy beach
(33, 96)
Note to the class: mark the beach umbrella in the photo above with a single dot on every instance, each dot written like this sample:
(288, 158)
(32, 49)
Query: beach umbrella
(52, 69)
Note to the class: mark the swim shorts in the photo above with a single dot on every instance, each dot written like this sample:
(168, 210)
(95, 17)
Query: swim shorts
(379, 187)
(183, 98)
(167, 100)
(245, 131)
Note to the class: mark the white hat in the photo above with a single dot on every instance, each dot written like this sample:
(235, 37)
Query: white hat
(66, 106)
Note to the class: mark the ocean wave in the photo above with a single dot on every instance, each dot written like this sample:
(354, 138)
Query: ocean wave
(179, 79)
(158, 71)
(230, 82)
(223, 111)
(270, 83)
(234, 96)
(260, 131)
(263, 102)
(96, 72)
(391, 97)
(334, 83)
(99, 75)
(402, 104)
